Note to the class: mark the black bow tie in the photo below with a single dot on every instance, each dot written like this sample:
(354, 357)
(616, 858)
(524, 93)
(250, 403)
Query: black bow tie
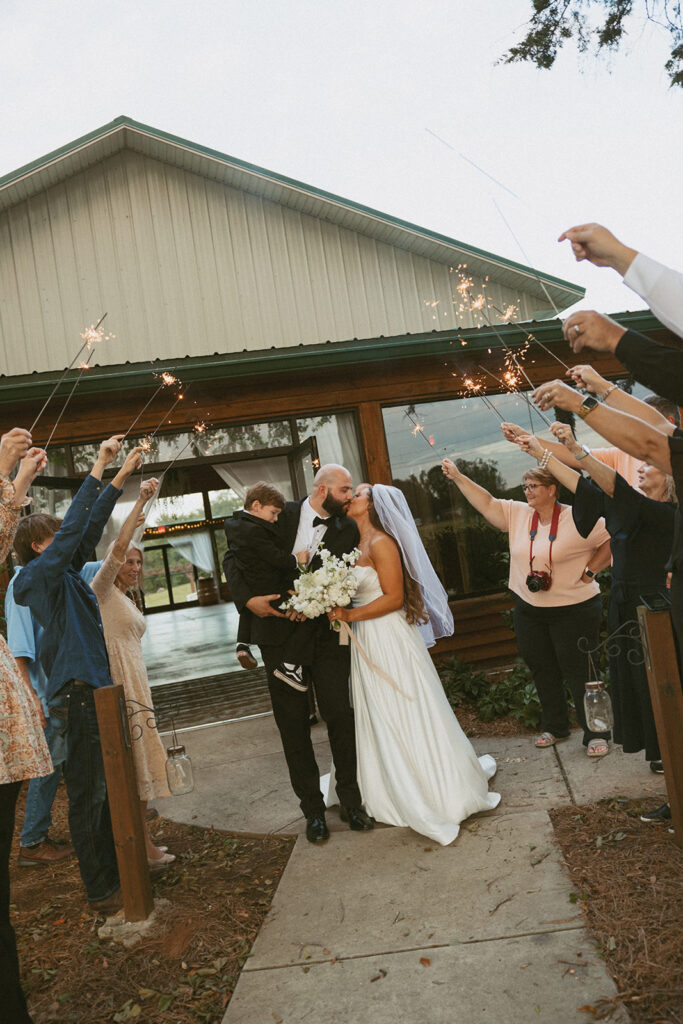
(319, 521)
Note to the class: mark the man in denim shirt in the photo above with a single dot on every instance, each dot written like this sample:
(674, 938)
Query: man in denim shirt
(23, 639)
(74, 656)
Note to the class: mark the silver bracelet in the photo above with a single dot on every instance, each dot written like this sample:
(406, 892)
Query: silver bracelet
(613, 387)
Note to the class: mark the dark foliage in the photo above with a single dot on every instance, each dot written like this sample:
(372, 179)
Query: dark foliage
(597, 25)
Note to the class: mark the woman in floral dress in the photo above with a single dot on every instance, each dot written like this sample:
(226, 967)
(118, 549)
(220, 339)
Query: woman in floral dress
(23, 750)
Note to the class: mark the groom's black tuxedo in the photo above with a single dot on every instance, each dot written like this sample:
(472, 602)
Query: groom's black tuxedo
(329, 672)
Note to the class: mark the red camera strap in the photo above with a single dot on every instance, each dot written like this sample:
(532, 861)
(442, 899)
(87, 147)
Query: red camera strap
(554, 524)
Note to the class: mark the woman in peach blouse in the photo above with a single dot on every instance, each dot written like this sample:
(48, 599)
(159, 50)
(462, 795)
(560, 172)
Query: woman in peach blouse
(23, 750)
(124, 627)
(557, 599)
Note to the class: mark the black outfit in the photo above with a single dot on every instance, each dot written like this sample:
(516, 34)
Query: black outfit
(13, 1002)
(547, 641)
(330, 666)
(255, 545)
(661, 368)
(641, 532)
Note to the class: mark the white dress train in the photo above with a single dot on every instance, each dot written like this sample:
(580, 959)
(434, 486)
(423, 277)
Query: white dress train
(416, 767)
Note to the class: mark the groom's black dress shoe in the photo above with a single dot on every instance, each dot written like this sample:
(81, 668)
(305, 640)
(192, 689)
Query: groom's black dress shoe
(358, 820)
(316, 829)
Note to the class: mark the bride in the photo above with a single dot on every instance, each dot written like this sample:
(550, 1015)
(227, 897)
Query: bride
(416, 767)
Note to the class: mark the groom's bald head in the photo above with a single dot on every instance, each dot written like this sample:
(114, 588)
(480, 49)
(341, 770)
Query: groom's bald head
(332, 489)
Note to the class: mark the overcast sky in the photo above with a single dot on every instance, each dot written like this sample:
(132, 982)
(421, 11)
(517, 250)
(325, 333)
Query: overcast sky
(341, 96)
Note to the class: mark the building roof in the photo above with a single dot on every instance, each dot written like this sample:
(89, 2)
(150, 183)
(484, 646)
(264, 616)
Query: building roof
(307, 359)
(124, 133)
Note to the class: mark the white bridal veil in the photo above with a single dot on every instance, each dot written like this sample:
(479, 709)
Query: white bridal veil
(397, 519)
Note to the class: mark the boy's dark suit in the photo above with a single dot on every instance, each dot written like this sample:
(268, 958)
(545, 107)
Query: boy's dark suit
(258, 555)
(329, 670)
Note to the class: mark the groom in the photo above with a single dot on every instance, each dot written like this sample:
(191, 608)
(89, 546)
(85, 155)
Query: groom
(303, 525)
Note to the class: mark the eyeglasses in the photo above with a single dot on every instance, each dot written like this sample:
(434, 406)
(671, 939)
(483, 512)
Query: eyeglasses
(531, 487)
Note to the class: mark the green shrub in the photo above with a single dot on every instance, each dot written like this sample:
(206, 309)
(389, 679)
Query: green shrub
(512, 693)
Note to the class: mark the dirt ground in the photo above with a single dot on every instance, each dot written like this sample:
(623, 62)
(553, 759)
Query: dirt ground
(220, 889)
(627, 877)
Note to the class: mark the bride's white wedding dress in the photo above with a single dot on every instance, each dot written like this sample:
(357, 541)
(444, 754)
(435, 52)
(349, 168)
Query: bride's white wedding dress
(416, 767)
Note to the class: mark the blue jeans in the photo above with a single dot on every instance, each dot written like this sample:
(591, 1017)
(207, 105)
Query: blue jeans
(42, 792)
(72, 711)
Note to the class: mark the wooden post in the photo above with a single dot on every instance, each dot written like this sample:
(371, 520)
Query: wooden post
(124, 803)
(667, 703)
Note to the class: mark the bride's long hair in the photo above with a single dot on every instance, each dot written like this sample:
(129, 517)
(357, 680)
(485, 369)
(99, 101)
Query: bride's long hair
(413, 602)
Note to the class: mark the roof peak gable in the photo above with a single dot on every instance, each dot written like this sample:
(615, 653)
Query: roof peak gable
(123, 132)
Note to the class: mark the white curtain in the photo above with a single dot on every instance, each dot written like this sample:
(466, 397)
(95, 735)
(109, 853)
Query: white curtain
(122, 509)
(337, 442)
(195, 547)
(240, 476)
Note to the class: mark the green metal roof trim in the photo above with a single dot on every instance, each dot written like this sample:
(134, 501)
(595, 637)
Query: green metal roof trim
(272, 362)
(574, 292)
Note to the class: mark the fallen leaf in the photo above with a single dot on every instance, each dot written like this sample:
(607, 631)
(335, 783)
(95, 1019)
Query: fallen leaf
(425, 961)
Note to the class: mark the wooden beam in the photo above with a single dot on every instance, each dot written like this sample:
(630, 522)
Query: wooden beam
(666, 694)
(124, 802)
(374, 443)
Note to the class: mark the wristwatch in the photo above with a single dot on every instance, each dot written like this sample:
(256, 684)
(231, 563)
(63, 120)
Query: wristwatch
(589, 403)
(589, 572)
(585, 450)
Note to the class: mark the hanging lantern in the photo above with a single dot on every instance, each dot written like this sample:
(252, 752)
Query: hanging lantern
(178, 767)
(598, 707)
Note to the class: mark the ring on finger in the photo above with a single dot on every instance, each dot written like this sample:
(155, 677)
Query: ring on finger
(577, 328)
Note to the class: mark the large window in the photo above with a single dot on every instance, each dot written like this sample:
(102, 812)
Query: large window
(469, 555)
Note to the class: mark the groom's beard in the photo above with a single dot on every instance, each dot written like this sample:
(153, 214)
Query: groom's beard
(334, 507)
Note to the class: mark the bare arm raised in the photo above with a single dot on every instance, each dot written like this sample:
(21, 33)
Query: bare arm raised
(478, 497)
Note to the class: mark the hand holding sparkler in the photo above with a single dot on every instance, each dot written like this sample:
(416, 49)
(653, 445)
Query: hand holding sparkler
(565, 435)
(596, 244)
(131, 463)
(148, 489)
(511, 431)
(33, 463)
(531, 445)
(109, 449)
(588, 329)
(13, 446)
(588, 379)
(450, 469)
(557, 394)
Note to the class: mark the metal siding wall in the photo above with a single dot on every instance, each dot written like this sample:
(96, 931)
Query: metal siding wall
(186, 266)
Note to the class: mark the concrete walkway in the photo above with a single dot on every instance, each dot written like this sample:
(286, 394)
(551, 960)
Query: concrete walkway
(389, 928)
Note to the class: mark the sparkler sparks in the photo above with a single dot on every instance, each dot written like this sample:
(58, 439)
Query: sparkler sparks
(94, 335)
(167, 381)
(91, 336)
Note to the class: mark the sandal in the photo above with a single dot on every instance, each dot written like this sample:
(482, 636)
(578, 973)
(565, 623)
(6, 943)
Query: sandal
(597, 748)
(546, 739)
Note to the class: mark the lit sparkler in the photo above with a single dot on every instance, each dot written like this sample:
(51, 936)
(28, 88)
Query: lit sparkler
(91, 336)
(532, 339)
(167, 381)
(418, 428)
(475, 390)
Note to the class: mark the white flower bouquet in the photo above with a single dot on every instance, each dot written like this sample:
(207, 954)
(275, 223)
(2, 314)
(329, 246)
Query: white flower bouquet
(318, 591)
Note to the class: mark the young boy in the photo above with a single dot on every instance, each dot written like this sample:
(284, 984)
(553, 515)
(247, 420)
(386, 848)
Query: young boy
(24, 637)
(74, 657)
(255, 545)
